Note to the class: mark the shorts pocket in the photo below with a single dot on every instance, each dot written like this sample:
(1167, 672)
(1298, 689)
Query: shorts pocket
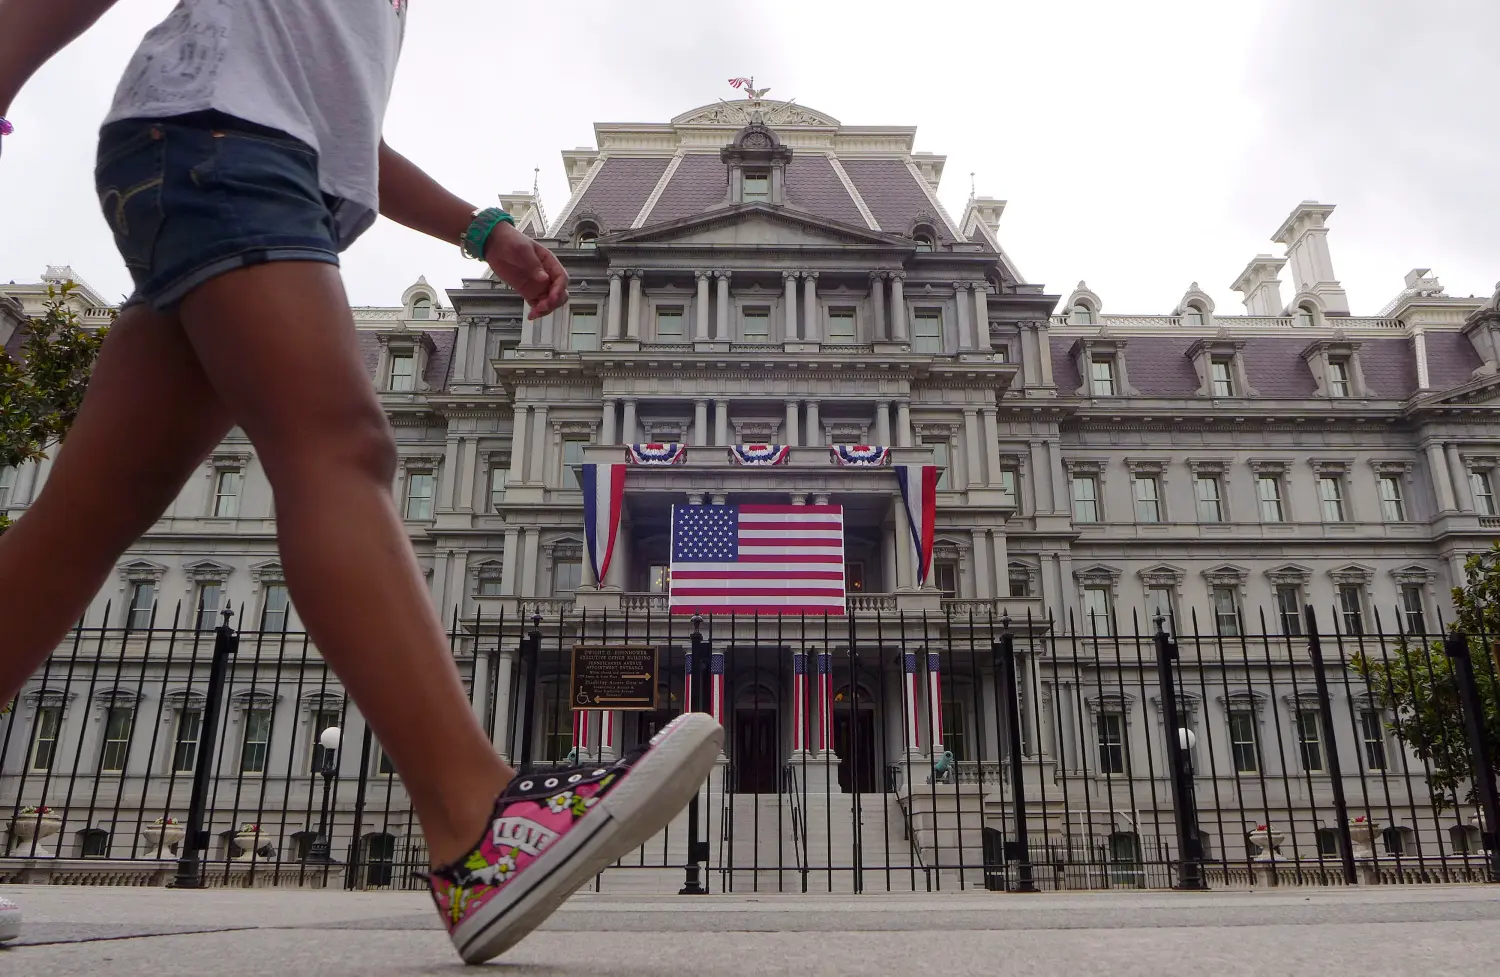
(128, 180)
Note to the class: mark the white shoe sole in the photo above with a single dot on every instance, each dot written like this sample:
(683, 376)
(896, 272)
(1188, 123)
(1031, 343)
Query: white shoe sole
(10, 925)
(657, 788)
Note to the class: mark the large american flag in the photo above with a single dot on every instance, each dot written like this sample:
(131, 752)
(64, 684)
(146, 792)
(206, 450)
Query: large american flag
(767, 559)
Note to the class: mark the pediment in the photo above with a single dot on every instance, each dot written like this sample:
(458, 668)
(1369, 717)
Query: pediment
(1481, 391)
(756, 226)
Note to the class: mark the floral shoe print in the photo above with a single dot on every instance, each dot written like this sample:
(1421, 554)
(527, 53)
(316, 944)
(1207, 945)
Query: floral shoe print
(555, 830)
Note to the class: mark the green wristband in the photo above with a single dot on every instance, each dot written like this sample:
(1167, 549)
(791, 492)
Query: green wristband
(473, 243)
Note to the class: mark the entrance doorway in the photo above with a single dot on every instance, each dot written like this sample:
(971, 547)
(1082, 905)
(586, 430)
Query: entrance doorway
(854, 739)
(755, 751)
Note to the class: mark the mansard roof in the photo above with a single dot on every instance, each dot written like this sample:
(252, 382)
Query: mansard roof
(438, 362)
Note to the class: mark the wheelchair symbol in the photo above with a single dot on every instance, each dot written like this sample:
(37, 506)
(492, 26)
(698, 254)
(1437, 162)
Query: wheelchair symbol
(583, 698)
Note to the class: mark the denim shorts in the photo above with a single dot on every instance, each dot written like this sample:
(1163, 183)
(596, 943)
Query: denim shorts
(194, 196)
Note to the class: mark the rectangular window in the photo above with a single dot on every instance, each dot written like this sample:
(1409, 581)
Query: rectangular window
(1096, 611)
(1102, 376)
(1372, 738)
(670, 324)
(1002, 351)
(572, 457)
(1412, 608)
(273, 613)
(955, 728)
(1351, 608)
(1147, 499)
(1226, 611)
(757, 187)
(1310, 740)
(255, 747)
(1242, 741)
(381, 765)
(210, 603)
(583, 327)
(44, 737)
(661, 579)
(854, 578)
(1289, 609)
(927, 332)
(1085, 498)
(1020, 580)
(419, 491)
(1111, 743)
(1268, 490)
(755, 324)
(1222, 377)
(118, 721)
(490, 585)
(841, 326)
(227, 486)
(1008, 482)
(7, 484)
(1331, 497)
(1484, 492)
(321, 720)
(185, 742)
(498, 476)
(567, 576)
(944, 463)
(1210, 508)
(945, 578)
(142, 597)
(1392, 505)
(403, 372)
(1338, 378)
(1159, 603)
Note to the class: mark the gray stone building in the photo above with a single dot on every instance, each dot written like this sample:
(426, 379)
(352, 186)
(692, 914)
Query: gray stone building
(760, 272)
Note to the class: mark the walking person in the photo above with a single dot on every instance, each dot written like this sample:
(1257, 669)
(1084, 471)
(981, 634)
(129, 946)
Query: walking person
(242, 154)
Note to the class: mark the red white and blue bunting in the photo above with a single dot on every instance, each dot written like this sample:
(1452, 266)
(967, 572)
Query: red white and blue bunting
(919, 493)
(759, 454)
(656, 454)
(860, 455)
(603, 498)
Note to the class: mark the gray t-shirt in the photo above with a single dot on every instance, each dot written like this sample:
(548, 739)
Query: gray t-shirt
(319, 70)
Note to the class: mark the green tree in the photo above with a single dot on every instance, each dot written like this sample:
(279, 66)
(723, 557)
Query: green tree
(1417, 684)
(42, 388)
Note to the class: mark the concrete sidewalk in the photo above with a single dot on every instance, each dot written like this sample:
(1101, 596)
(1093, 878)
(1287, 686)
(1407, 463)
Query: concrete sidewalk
(1429, 931)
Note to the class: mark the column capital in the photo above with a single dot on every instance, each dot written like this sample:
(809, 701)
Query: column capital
(820, 499)
(876, 276)
(610, 400)
(971, 411)
(960, 286)
(628, 400)
(724, 274)
(703, 276)
(616, 273)
(787, 276)
(700, 400)
(990, 410)
(636, 273)
(897, 276)
(810, 275)
(883, 404)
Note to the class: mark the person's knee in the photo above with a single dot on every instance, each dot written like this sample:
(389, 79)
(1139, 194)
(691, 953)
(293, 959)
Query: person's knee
(356, 442)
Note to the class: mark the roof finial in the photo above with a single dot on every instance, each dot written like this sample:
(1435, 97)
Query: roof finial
(973, 187)
(748, 86)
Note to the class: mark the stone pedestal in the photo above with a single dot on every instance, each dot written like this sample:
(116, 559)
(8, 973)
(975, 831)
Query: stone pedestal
(597, 600)
(817, 773)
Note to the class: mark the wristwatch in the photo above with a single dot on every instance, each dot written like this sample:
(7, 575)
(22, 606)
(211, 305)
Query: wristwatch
(482, 225)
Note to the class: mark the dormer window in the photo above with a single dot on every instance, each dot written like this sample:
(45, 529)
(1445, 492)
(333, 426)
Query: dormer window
(757, 165)
(1102, 376)
(1192, 316)
(1306, 316)
(924, 237)
(1102, 367)
(421, 308)
(924, 243)
(1080, 315)
(1338, 378)
(588, 241)
(1222, 376)
(757, 187)
(403, 371)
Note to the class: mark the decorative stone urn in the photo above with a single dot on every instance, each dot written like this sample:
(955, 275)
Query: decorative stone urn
(26, 827)
(1362, 835)
(1268, 840)
(249, 842)
(163, 839)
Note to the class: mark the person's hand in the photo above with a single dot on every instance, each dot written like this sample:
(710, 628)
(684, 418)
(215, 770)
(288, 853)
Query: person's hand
(528, 268)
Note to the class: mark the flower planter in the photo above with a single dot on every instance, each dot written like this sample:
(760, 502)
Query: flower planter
(40, 827)
(1362, 839)
(248, 843)
(161, 838)
(1269, 843)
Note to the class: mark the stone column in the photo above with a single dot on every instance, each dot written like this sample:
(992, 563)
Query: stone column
(883, 423)
(935, 702)
(825, 704)
(789, 331)
(981, 316)
(614, 577)
(1460, 475)
(721, 422)
(700, 422)
(965, 313)
(982, 565)
(899, 316)
(1041, 473)
(628, 429)
(799, 705)
(906, 554)
(973, 460)
(815, 437)
(633, 310)
(1044, 352)
(903, 424)
(518, 427)
(541, 439)
(722, 335)
(992, 445)
(810, 317)
(877, 296)
(888, 561)
(607, 429)
(613, 330)
(511, 567)
(1437, 464)
(789, 433)
(469, 475)
(701, 335)
(505, 666)
(447, 495)
(1002, 562)
(531, 569)
(1061, 498)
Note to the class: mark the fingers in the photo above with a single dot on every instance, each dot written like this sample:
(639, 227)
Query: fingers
(551, 281)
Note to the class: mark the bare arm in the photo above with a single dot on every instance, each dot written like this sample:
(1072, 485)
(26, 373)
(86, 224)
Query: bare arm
(409, 196)
(32, 31)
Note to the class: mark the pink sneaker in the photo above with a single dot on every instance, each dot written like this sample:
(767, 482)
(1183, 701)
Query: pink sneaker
(553, 831)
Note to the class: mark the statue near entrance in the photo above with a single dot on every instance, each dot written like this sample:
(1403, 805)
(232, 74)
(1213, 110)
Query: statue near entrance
(944, 769)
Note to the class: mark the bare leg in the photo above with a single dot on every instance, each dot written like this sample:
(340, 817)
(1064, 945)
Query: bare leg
(278, 343)
(149, 418)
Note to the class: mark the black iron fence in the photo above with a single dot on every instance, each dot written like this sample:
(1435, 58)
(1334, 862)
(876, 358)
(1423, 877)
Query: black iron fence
(882, 751)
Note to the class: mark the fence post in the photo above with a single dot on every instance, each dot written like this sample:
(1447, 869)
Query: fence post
(367, 745)
(195, 838)
(696, 674)
(531, 649)
(1335, 769)
(1010, 700)
(1184, 801)
(1456, 644)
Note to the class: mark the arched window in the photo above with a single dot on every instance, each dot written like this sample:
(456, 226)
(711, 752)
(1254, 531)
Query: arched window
(421, 307)
(1081, 315)
(1306, 316)
(924, 242)
(588, 237)
(1192, 316)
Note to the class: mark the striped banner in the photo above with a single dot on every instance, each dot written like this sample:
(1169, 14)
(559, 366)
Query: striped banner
(656, 454)
(759, 454)
(860, 455)
(603, 498)
(919, 493)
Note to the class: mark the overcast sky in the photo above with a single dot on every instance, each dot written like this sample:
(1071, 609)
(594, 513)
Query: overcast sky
(1141, 146)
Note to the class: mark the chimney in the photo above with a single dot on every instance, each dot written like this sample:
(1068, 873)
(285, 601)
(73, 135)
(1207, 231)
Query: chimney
(1305, 238)
(1260, 287)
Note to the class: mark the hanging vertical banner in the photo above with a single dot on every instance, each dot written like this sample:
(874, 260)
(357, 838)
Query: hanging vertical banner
(603, 498)
(919, 493)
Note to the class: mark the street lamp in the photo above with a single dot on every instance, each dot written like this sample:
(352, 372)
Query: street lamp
(1187, 739)
(329, 740)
